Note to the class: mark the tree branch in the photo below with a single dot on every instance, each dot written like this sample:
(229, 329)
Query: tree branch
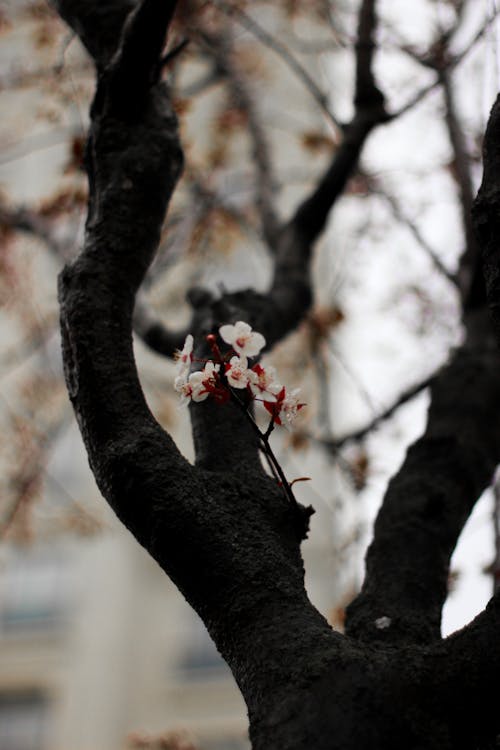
(335, 444)
(495, 565)
(431, 497)
(486, 215)
(273, 44)
(441, 60)
(23, 219)
(399, 215)
(220, 49)
(452, 62)
(146, 325)
(153, 332)
(97, 24)
(469, 272)
(133, 168)
(466, 665)
(290, 292)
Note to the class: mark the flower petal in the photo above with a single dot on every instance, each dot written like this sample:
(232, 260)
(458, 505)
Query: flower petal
(227, 333)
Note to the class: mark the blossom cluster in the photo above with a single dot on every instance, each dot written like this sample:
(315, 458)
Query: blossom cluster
(217, 378)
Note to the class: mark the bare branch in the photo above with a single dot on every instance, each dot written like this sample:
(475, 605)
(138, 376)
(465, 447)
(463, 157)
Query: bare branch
(221, 50)
(486, 215)
(146, 325)
(449, 65)
(335, 444)
(469, 273)
(26, 220)
(273, 44)
(290, 291)
(139, 58)
(24, 484)
(97, 25)
(398, 214)
(153, 332)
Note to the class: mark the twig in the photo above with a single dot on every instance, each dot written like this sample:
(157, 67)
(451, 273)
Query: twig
(35, 462)
(451, 64)
(273, 44)
(266, 447)
(356, 380)
(400, 216)
(220, 48)
(335, 444)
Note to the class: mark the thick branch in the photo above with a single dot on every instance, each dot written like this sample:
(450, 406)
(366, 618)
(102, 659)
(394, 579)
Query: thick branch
(486, 215)
(139, 56)
(154, 333)
(290, 293)
(495, 565)
(462, 168)
(430, 498)
(97, 24)
(466, 667)
(133, 169)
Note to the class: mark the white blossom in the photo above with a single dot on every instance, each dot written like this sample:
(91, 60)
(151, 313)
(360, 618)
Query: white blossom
(263, 383)
(290, 406)
(244, 341)
(198, 386)
(237, 372)
(184, 357)
(190, 387)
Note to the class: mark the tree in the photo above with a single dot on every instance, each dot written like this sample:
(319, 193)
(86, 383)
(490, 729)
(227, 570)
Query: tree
(224, 530)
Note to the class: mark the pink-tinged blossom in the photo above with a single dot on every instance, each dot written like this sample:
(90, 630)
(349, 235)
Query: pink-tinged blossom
(191, 388)
(237, 372)
(262, 382)
(291, 406)
(244, 341)
(209, 380)
(285, 408)
(185, 357)
(199, 385)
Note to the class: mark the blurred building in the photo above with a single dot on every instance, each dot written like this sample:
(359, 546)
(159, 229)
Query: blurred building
(96, 644)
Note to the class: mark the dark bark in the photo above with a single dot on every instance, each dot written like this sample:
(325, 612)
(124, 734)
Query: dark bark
(429, 500)
(487, 215)
(290, 294)
(98, 25)
(223, 530)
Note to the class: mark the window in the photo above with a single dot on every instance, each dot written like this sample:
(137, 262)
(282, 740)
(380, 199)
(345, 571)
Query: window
(23, 720)
(33, 590)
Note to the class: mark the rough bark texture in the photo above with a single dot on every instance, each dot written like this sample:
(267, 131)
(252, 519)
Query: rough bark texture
(230, 539)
